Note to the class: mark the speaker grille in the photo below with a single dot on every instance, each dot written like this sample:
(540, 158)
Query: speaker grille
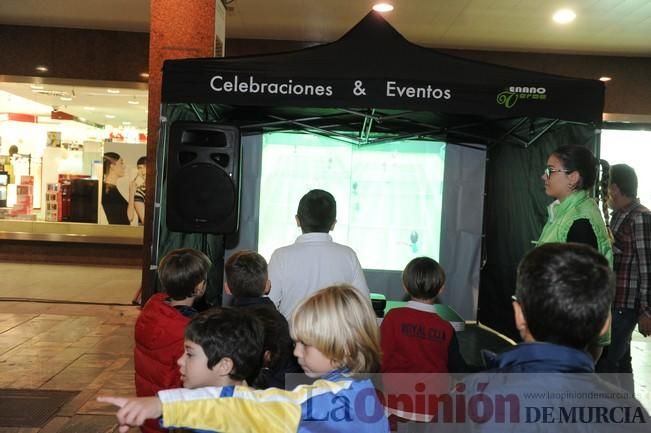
(206, 195)
(203, 178)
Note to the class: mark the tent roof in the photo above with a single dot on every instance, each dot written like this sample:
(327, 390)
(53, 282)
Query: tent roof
(373, 66)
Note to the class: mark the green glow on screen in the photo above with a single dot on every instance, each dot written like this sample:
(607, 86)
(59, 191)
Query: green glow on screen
(389, 195)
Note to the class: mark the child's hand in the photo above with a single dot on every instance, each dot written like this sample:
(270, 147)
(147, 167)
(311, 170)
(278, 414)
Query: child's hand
(134, 411)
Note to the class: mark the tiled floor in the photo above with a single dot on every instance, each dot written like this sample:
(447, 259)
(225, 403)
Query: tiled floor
(68, 347)
(63, 282)
(641, 353)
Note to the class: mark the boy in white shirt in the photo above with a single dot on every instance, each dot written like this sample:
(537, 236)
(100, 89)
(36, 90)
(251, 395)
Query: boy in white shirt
(314, 261)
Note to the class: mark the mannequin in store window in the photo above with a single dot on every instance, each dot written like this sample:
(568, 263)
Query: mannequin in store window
(118, 210)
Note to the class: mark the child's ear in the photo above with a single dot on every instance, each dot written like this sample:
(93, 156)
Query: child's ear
(227, 289)
(606, 326)
(298, 221)
(441, 290)
(332, 227)
(267, 287)
(521, 322)
(200, 289)
(224, 367)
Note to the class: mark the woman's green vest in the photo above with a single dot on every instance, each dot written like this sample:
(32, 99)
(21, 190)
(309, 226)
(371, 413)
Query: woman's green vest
(561, 217)
(577, 205)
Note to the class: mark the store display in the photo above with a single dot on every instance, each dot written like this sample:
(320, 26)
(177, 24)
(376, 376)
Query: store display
(52, 202)
(24, 198)
(4, 181)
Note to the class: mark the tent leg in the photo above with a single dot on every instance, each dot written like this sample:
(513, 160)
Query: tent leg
(161, 171)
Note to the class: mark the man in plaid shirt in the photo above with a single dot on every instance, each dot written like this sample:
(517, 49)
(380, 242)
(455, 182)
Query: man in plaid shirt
(631, 228)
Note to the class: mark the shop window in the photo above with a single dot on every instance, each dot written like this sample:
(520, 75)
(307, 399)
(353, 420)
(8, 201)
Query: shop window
(57, 166)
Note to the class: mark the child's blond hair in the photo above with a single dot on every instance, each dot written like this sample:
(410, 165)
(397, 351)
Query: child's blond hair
(339, 321)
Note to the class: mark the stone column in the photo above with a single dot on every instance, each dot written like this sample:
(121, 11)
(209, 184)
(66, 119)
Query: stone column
(178, 29)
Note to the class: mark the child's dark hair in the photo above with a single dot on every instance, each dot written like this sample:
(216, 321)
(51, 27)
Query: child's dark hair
(423, 278)
(181, 270)
(625, 178)
(142, 160)
(565, 291)
(232, 333)
(246, 274)
(317, 211)
(277, 348)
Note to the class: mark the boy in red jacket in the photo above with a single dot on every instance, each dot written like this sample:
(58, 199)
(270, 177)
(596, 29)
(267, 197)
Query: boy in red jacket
(416, 342)
(160, 327)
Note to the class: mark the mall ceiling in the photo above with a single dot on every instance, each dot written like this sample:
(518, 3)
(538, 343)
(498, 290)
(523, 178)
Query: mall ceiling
(614, 27)
(608, 27)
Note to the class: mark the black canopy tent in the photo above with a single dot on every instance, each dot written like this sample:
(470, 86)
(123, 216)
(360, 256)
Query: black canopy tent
(374, 66)
(373, 85)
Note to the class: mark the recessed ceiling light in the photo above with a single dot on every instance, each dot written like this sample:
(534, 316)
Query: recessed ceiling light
(114, 91)
(37, 87)
(109, 116)
(83, 119)
(126, 123)
(382, 7)
(144, 74)
(41, 68)
(564, 16)
(604, 79)
(133, 102)
(66, 98)
(89, 108)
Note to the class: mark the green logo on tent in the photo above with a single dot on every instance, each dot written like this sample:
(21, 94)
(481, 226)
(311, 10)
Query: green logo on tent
(513, 94)
(508, 99)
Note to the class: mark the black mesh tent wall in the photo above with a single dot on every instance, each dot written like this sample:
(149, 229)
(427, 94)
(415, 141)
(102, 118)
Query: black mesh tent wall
(373, 85)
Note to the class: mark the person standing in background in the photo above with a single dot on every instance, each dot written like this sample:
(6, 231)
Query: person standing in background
(574, 216)
(9, 167)
(631, 228)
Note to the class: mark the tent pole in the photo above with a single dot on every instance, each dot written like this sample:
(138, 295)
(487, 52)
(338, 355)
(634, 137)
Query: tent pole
(161, 175)
(315, 128)
(214, 112)
(366, 127)
(196, 113)
(515, 127)
(542, 132)
(405, 136)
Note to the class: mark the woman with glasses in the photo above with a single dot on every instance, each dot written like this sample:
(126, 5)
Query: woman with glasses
(574, 216)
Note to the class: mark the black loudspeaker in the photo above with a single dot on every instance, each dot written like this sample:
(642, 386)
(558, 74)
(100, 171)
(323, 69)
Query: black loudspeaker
(203, 172)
